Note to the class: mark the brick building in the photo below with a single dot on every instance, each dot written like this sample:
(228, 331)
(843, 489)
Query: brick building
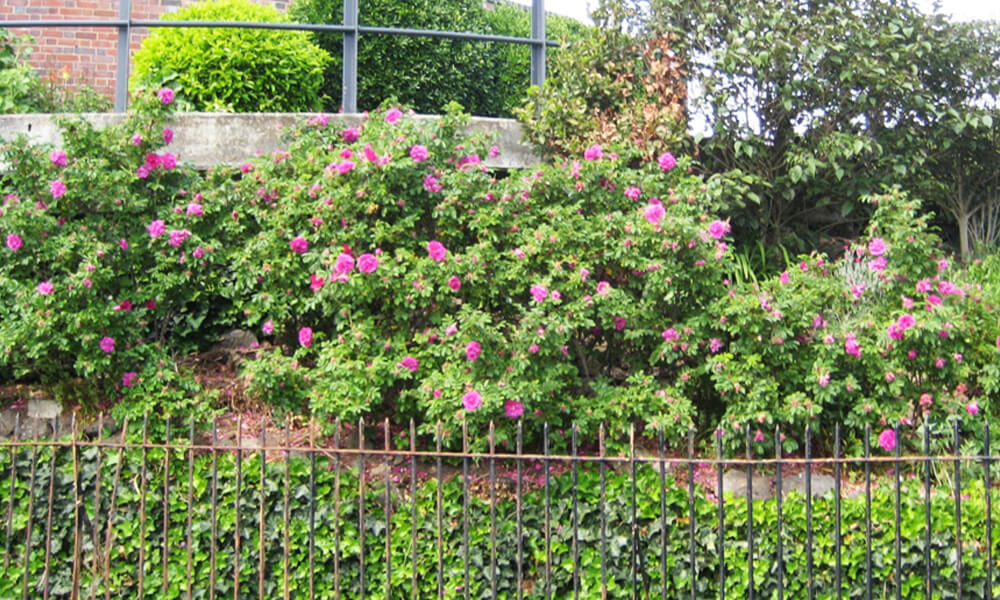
(77, 56)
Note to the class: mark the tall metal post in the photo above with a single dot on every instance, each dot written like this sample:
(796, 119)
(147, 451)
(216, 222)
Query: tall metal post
(121, 68)
(538, 42)
(349, 88)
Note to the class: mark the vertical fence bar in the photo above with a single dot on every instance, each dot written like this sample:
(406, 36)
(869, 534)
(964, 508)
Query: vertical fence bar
(166, 508)
(26, 563)
(109, 539)
(634, 529)
(142, 503)
(189, 534)
(465, 509)
(538, 42)
(749, 454)
(547, 516)
(349, 89)
(898, 515)
(413, 508)
(361, 483)
(388, 509)
(691, 514)
(493, 512)
(518, 507)
(779, 498)
(987, 461)
(576, 515)
(958, 508)
(312, 504)
(48, 512)
(286, 509)
(868, 514)
(214, 509)
(261, 511)
(836, 511)
(10, 498)
(927, 511)
(440, 520)
(721, 539)
(336, 510)
(239, 494)
(77, 506)
(121, 66)
(604, 514)
(660, 447)
(96, 525)
(810, 579)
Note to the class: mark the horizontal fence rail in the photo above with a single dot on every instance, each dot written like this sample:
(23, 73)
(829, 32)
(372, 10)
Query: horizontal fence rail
(171, 511)
(350, 29)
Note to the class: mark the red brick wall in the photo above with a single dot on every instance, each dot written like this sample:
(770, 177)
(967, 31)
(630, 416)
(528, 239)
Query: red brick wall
(77, 56)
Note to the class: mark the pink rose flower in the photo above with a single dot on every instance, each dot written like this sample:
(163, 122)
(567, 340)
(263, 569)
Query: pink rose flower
(267, 327)
(306, 336)
(717, 229)
(513, 409)
(392, 117)
(59, 158)
(714, 345)
(107, 344)
(367, 263)
(344, 264)
(670, 334)
(654, 213)
(156, 228)
(454, 283)
(431, 184)
(409, 363)
(876, 247)
(418, 153)
(166, 96)
(593, 153)
(177, 237)
(316, 282)
(168, 135)
(632, 192)
(128, 379)
(350, 135)
(136, 140)
(57, 188)
(14, 242)
(603, 288)
(472, 400)
(436, 250)
(667, 161)
(45, 288)
(539, 293)
(194, 210)
(299, 245)
(472, 351)
(887, 440)
(972, 408)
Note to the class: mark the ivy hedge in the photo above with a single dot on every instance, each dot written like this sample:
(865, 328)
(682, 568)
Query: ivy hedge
(662, 522)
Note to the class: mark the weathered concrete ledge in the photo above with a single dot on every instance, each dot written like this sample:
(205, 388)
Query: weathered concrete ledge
(209, 139)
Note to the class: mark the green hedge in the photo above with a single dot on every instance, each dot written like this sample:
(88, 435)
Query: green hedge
(651, 526)
(241, 70)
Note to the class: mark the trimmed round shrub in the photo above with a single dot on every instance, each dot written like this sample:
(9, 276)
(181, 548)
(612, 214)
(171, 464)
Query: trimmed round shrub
(240, 70)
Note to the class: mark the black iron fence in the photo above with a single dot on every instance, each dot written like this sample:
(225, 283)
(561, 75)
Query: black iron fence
(350, 29)
(260, 512)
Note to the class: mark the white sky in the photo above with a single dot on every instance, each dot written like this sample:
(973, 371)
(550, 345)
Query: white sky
(962, 10)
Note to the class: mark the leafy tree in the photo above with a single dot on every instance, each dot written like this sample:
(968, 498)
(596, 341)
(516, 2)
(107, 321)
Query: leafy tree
(814, 104)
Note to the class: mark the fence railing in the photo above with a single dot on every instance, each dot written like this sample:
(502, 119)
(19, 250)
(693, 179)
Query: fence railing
(259, 512)
(350, 28)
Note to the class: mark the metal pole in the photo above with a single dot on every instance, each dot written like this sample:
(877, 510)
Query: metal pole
(349, 87)
(121, 68)
(538, 42)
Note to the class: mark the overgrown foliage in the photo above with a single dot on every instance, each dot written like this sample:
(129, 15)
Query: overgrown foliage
(225, 69)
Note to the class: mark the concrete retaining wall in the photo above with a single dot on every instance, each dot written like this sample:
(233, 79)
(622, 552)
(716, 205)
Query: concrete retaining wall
(208, 139)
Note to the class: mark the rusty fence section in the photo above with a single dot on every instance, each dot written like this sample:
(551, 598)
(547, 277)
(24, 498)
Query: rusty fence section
(179, 511)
